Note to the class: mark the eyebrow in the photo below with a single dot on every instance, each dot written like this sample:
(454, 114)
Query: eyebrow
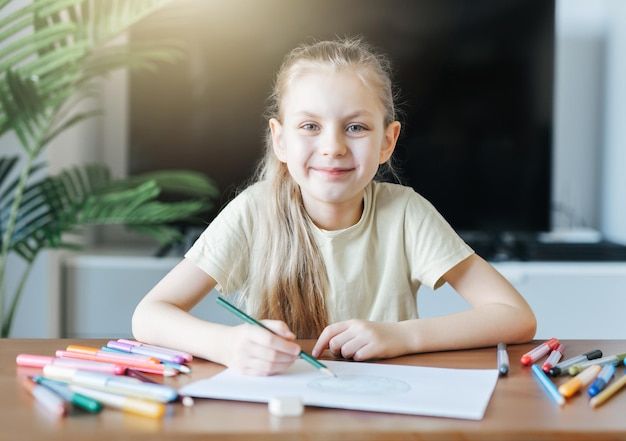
(358, 113)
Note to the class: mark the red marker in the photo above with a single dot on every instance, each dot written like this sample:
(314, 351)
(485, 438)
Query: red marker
(541, 350)
(553, 358)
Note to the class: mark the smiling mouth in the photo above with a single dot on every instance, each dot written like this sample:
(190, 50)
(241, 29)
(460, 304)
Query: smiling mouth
(332, 170)
(332, 173)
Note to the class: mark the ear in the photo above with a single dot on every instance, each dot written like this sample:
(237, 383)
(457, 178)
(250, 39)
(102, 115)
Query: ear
(392, 131)
(276, 129)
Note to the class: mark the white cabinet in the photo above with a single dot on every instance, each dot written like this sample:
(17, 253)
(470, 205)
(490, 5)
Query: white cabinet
(571, 300)
(101, 291)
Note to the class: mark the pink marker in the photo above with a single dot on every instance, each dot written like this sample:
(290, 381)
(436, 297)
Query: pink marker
(541, 350)
(39, 361)
(553, 358)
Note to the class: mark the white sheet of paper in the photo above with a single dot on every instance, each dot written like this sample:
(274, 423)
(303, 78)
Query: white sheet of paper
(417, 390)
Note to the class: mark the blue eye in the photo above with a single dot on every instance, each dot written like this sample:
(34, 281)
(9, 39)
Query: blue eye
(309, 126)
(355, 128)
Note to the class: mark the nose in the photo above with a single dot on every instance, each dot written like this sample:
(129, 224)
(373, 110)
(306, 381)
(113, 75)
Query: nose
(333, 143)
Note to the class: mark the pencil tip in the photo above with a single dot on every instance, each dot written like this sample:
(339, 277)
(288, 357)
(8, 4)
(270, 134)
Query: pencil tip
(328, 372)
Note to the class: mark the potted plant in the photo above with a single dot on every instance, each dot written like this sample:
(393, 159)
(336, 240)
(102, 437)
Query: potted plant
(51, 54)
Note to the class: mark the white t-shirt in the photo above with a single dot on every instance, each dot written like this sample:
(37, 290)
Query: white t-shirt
(374, 267)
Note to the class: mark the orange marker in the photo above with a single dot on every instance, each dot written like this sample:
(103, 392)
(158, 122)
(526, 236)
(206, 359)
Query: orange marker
(580, 381)
(137, 406)
(107, 354)
(151, 368)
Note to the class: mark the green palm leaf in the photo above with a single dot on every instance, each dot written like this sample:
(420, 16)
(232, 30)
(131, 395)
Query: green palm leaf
(51, 53)
(39, 72)
(83, 196)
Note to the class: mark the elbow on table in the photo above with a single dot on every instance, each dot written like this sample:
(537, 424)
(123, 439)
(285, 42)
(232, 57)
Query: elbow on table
(139, 324)
(526, 328)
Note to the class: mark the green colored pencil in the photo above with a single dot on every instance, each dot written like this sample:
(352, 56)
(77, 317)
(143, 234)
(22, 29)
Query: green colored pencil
(242, 315)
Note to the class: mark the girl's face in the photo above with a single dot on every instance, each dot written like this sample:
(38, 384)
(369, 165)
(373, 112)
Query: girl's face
(332, 138)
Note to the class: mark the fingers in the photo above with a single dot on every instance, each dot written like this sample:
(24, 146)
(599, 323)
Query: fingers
(344, 339)
(260, 352)
(323, 341)
(280, 328)
(358, 340)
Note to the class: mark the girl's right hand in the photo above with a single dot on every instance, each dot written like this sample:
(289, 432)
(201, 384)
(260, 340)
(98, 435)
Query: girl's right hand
(253, 350)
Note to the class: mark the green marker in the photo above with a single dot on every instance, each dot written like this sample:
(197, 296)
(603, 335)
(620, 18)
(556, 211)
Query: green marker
(61, 389)
(242, 315)
(609, 359)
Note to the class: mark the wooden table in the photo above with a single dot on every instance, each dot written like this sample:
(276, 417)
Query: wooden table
(519, 408)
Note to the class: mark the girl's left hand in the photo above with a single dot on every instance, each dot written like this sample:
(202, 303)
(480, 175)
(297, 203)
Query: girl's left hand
(361, 340)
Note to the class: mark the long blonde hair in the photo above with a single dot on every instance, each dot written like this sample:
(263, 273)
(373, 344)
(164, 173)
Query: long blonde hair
(288, 279)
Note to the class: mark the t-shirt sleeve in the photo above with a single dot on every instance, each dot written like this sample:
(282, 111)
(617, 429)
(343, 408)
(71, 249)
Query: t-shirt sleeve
(222, 249)
(433, 245)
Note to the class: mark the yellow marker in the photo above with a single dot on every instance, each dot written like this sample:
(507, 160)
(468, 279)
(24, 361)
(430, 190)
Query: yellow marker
(608, 392)
(580, 381)
(137, 406)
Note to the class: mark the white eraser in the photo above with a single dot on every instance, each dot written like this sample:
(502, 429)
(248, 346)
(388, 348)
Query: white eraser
(286, 406)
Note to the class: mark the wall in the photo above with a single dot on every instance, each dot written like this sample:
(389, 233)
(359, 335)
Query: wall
(613, 195)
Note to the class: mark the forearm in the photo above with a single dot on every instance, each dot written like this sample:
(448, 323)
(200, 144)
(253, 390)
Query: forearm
(486, 325)
(164, 324)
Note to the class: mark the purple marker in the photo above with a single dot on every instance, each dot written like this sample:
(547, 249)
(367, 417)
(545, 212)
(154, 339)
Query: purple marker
(141, 350)
(188, 357)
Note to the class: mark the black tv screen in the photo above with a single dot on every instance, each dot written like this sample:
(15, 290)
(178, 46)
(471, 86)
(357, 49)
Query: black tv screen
(475, 81)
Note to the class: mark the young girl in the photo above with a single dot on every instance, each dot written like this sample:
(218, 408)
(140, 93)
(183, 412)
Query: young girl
(318, 249)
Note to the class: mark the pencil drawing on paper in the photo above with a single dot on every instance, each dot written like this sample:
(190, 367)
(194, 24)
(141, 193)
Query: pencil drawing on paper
(360, 385)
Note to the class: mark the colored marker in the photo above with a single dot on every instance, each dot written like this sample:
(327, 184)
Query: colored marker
(127, 386)
(179, 367)
(186, 400)
(609, 359)
(142, 350)
(39, 361)
(186, 356)
(503, 359)
(608, 392)
(601, 380)
(64, 392)
(176, 366)
(580, 381)
(151, 368)
(538, 352)
(242, 315)
(548, 385)
(136, 406)
(553, 358)
(46, 398)
(119, 354)
(563, 366)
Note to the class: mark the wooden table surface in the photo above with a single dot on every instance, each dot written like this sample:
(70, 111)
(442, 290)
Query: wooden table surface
(519, 408)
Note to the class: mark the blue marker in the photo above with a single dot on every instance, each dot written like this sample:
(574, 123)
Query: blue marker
(548, 385)
(601, 380)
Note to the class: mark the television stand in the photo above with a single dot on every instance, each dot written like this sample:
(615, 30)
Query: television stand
(603, 251)
(529, 248)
